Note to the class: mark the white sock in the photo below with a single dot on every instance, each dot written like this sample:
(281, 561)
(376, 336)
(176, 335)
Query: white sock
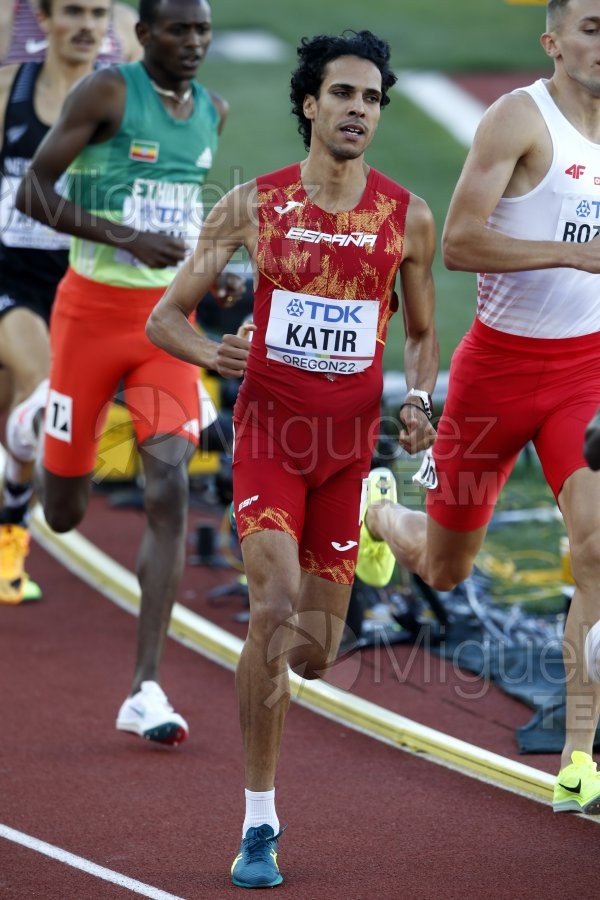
(260, 810)
(591, 652)
(21, 438)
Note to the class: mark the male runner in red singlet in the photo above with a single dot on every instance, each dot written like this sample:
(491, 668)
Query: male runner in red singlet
(525, 215)
(328, 238)
(23, 40)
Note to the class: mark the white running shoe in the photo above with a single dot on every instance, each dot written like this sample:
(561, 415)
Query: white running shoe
(21, 438)
(150, 715)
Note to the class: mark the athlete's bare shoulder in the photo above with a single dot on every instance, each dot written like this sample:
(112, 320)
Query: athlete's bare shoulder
(420, 230)
(512, 148)
(222, 107)
(513, 123)
(240, 205)
(99, 97)
(419, 211)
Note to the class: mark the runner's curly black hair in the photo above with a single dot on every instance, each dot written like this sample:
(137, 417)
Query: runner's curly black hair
(314, 55)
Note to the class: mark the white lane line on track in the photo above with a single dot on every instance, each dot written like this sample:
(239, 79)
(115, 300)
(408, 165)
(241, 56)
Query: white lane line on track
(443, 101)
(78, 862)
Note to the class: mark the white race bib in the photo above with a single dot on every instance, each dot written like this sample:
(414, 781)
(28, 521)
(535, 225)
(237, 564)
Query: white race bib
(163, 207)
(579, 219)
(18, 230)
(319, 334)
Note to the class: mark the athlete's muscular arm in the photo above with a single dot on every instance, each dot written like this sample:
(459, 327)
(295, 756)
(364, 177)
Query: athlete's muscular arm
(510, 155)
(421, 350)
(229, 225)
(91, 114)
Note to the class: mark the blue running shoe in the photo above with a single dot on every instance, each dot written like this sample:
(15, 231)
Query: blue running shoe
(255, 866)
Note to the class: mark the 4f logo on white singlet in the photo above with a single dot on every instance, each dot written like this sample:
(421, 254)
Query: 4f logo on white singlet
(59, 417)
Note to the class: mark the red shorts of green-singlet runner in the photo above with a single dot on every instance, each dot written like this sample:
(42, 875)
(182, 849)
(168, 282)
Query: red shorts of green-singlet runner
(99, 347)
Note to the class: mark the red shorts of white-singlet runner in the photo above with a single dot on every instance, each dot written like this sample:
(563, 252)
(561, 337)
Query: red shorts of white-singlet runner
(505, 391)
(99, 345)
(304, 478)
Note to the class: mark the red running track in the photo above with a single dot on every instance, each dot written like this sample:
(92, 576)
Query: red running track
(364, 819)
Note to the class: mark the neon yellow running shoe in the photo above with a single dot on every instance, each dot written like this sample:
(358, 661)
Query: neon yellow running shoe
(15, 584)
(375, 563)
(31, 590)
(14, 547)
(577, 787)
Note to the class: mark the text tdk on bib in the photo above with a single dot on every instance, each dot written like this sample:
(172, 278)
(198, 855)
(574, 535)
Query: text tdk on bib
(319, 334)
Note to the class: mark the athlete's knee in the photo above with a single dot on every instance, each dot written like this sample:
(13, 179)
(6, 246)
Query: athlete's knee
(444, 575)
(311, 664)
(585, 559)
(64, 499)
(166, 493)
(273, 618)
(316, 644)
(65, 514)
(272, 625)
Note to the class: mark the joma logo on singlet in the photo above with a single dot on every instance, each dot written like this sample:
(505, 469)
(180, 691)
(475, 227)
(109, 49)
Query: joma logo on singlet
(355, 239)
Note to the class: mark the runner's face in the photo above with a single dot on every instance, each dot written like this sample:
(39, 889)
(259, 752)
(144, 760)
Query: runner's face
(177, 41)
(76, 28)
(346, 113)
(576, 43)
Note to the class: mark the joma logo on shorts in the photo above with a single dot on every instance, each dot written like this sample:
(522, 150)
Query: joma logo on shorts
(355, 239)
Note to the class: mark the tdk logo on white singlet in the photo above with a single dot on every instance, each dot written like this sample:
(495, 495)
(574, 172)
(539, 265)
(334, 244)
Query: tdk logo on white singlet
(579, 219)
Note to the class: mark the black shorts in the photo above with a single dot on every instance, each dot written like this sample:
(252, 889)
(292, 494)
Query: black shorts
(16, 292)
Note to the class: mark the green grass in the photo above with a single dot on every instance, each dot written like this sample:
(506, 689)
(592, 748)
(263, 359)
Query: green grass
(459, 35)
